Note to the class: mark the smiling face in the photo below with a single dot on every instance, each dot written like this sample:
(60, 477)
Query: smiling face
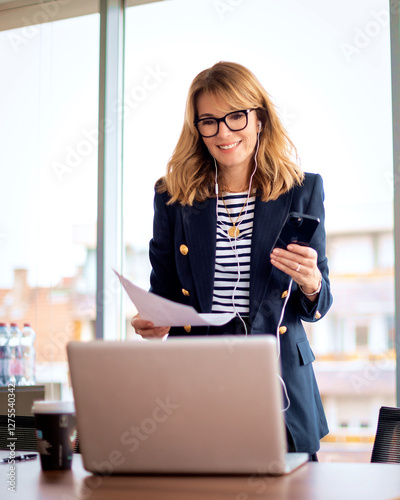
(234, 151)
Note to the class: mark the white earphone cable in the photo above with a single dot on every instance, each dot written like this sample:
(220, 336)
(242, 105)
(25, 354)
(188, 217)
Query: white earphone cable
(234, 249)
(278, 342)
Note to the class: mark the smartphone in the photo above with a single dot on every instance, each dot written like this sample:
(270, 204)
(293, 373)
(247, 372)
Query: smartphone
(298, 228)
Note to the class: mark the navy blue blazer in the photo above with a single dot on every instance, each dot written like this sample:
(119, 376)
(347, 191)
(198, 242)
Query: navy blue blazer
(182, 255)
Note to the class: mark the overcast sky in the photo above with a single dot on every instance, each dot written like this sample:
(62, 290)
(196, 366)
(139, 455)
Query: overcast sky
(326, 66)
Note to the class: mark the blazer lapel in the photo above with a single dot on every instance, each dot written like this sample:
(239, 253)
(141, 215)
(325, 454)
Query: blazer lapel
(199, 222)
(268, 220)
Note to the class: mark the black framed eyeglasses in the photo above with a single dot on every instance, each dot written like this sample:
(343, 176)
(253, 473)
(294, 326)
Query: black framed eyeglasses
(235, 121)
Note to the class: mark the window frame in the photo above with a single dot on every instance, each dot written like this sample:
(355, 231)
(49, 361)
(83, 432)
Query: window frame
(394, 7)
(27, 13)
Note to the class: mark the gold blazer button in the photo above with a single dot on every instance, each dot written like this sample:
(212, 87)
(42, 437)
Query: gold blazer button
(187, 328)
(284, 294)
(184, 249)
(185, 293)
(282, 329)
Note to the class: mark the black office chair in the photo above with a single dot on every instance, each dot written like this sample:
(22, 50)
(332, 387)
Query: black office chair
(387, 439)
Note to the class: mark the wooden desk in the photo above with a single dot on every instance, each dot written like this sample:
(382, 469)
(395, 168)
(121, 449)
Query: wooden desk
(313, 481)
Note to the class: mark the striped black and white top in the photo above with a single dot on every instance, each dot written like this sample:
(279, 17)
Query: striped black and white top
(232, 260)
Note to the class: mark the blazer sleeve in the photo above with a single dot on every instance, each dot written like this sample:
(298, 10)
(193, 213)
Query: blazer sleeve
(308, 310)
(163, 278)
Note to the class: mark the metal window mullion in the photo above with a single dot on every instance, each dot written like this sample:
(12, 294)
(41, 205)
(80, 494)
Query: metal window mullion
(110, 322)
(395, 62)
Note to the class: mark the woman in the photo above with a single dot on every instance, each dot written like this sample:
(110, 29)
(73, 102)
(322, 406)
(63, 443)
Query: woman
(230, 184)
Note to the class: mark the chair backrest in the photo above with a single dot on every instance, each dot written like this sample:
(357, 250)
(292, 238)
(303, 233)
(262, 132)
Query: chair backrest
(387, 439)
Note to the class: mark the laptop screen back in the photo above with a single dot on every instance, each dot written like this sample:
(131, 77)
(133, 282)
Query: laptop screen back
(198, 405)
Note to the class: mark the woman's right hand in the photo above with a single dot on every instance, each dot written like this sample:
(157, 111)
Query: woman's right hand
(147, 329)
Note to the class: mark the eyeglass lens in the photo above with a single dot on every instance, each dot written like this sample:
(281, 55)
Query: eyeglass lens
(234, 121)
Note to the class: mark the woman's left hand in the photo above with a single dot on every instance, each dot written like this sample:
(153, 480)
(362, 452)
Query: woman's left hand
(300, 263)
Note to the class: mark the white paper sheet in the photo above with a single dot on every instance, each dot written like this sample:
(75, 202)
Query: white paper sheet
(164, 312)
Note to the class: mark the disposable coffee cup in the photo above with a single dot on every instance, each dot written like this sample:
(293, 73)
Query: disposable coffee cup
(55, 432)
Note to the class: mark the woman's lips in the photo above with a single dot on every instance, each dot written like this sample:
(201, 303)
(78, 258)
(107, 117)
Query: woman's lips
(228, 147)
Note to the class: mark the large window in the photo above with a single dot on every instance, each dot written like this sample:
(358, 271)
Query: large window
(327, 68)
(48, 174)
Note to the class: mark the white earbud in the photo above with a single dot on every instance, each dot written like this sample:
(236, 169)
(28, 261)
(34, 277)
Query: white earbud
(259, 126)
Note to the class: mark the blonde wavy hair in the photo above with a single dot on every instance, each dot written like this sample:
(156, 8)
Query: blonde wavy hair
(190, 172)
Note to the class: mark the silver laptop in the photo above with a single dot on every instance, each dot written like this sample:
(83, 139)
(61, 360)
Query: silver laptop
(210, 405)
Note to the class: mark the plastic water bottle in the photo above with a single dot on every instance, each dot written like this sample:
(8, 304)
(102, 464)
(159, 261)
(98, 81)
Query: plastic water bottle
(5, 355)
(16, 354)
(28, 354)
